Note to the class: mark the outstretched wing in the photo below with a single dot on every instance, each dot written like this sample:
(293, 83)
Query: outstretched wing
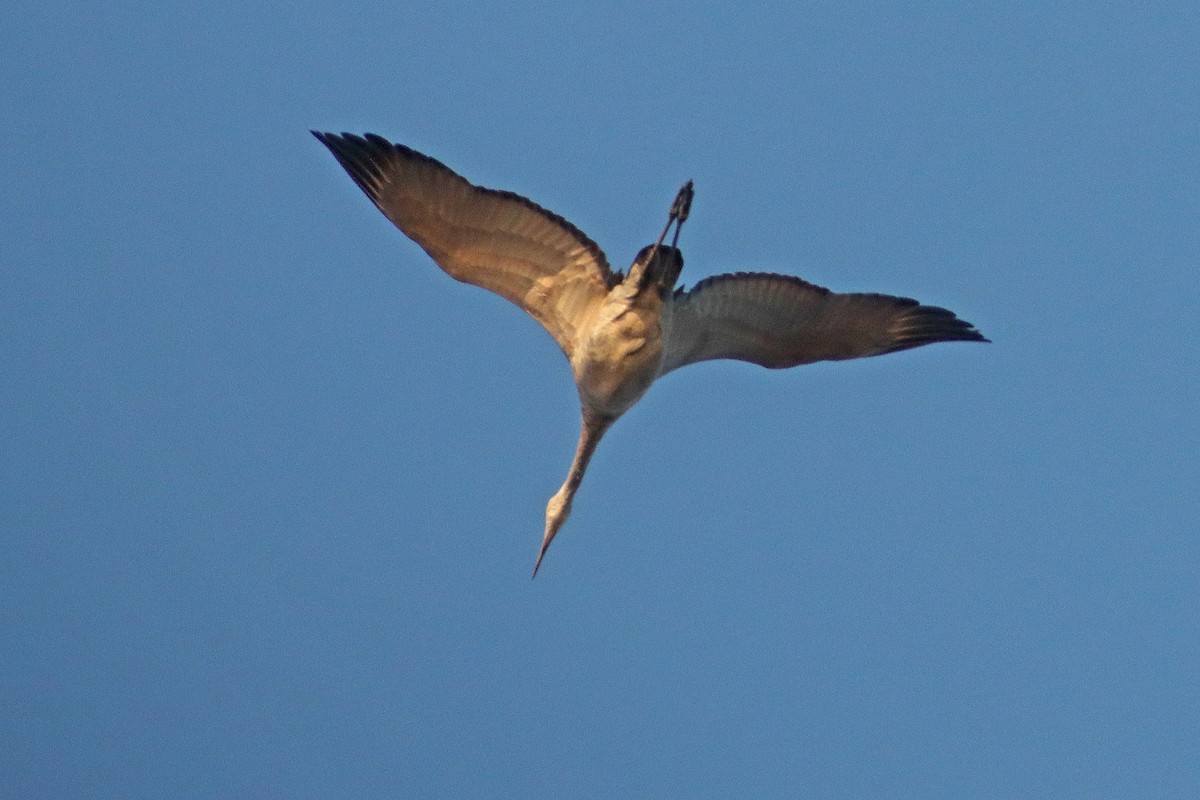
(782, 321)
(493, 239)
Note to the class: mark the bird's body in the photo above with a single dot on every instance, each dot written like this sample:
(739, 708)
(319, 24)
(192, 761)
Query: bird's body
(620, 352)
(622, 332)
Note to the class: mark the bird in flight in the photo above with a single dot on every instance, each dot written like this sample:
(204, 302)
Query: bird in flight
(622, 332)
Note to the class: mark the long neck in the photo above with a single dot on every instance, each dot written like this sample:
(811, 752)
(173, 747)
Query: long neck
(593, 429)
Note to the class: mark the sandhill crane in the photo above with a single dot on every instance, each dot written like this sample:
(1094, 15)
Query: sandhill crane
(622, 332)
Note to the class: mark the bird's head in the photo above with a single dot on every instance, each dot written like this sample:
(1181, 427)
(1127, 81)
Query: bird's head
(557, 511)
(662, 272)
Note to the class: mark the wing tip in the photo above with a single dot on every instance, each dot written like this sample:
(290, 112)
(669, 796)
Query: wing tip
(922, 325)
(365, 158)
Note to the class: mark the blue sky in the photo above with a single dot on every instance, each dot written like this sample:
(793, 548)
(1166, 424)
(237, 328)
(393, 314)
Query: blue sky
(271, 485)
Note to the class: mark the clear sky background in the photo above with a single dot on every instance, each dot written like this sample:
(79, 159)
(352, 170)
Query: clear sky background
(271, 484)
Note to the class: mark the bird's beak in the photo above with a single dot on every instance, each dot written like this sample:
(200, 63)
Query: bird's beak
(551, 530)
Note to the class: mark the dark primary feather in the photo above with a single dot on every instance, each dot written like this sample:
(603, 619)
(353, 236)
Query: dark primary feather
(922, 325)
